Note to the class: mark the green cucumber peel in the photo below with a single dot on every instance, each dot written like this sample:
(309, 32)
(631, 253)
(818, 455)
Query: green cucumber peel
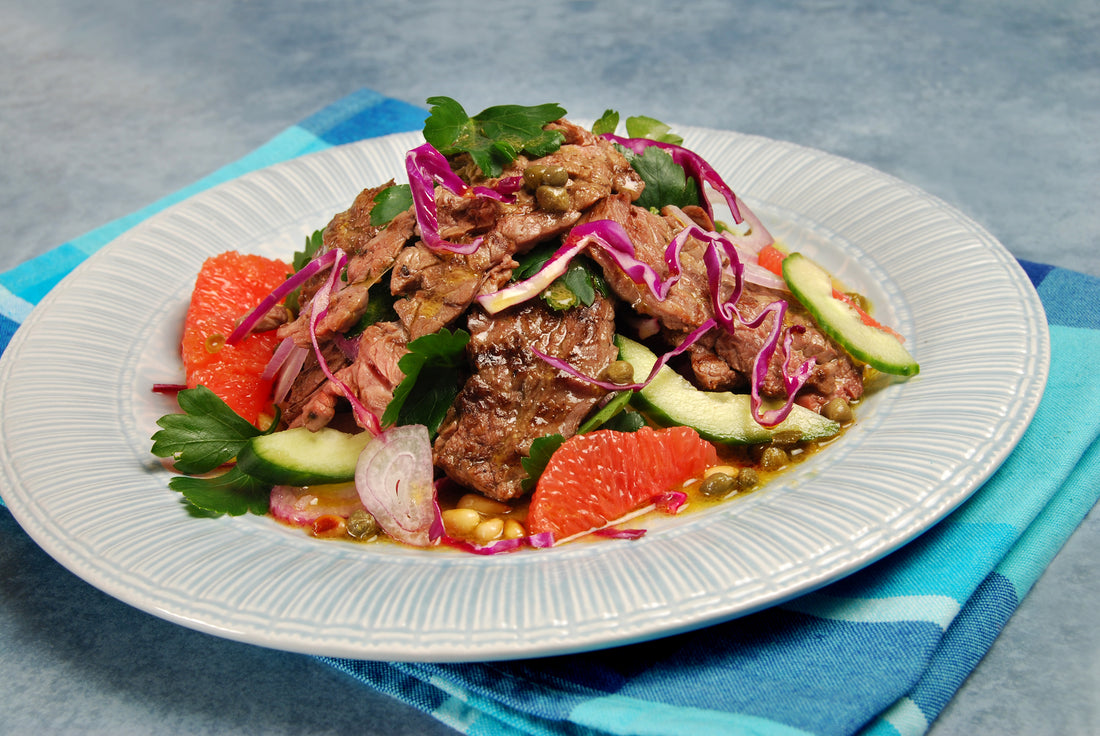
(813, 287)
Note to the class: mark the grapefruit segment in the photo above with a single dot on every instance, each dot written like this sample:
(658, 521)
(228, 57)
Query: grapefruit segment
(595, 478)
(227, 287)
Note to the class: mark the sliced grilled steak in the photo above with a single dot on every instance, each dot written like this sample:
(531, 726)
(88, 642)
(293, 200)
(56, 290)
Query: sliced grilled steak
(687, 305)
(310, 381)
(349, 230)
(371, 253)
(372, 376)
(721, 360)
(514, 397)
(440, 286)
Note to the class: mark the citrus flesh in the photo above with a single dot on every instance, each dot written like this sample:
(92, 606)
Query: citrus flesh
(596, 478)
(228, 286)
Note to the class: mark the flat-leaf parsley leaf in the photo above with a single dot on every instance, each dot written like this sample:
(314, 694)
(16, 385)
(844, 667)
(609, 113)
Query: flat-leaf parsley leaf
(233, 492)
(389, 203)
(665, 180)
(432, 369)
(496, 135)
(208, 434)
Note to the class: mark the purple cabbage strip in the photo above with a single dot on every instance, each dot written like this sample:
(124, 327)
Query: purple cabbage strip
(504, 191)
(316, 265)
(541, 540)
(278, 358)
(426, 166)
(703, 173)
(613, 533)
(670, 502)
(318, 308)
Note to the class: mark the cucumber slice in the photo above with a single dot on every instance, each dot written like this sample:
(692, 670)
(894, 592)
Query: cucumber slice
(300, 457)
(719, 416)
(813, 287)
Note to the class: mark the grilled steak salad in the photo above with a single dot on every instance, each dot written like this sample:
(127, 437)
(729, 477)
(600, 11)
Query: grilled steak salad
(545, 331)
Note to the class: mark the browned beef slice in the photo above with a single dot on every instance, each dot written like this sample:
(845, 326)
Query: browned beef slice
(514, 397)
(311, 379)
(349, 230)
(687, 305)
(721, 360)
(369, 259)
(440, 285)
(834, 374)
(352, 230)
(596, 170)
(372, 377)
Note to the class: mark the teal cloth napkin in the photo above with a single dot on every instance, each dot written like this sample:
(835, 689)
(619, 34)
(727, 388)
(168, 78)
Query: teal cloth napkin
(880, 652)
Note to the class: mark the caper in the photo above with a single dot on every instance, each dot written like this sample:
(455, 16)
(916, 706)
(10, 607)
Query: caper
(837, 410)
(747, 478)
(532, 176)
(555, 176)
(619, 372)
(553, 199)
(717, 484)
(362, 525)
(773, 458)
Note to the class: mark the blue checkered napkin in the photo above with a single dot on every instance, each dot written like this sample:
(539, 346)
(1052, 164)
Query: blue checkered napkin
(880, 652)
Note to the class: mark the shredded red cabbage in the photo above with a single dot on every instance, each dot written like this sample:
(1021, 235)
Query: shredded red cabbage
(348, 346)
(541, 540)
(613, 533)
(754, 236)
(168, 388)
(284, 367)
(277, 294)
(754, 273)
(278, 358)
(670, 502)
(504, 191)
(694, 165)
(318, 307)
(426, 166)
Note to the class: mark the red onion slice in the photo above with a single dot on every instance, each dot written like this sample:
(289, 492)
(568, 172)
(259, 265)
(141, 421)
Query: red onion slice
(394, 478)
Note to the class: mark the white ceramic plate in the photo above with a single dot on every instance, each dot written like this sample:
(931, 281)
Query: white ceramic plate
(76, 414)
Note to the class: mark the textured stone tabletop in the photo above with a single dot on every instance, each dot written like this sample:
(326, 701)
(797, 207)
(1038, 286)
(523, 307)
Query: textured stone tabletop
(107, 106)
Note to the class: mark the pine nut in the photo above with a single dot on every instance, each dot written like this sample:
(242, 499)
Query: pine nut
(488, 530)
(727, 469)
(484, 505)
(513, 529)
(460, 522)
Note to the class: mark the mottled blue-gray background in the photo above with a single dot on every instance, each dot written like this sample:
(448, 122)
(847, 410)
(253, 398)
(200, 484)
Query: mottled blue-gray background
(107, 106)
